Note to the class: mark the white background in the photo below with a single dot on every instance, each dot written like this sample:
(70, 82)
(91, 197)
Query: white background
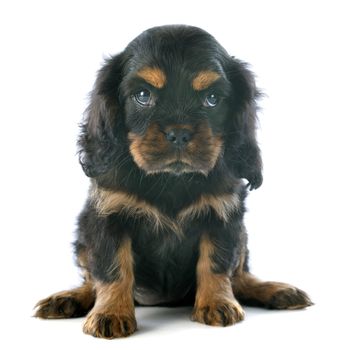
(298, 220)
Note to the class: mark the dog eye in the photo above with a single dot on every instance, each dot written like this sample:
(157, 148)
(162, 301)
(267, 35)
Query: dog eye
(144, 98)
(211, 101)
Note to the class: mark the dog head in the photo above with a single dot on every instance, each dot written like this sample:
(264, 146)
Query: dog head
(174, 102)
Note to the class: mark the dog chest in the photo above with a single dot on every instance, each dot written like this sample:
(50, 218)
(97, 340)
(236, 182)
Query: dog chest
(164, 269)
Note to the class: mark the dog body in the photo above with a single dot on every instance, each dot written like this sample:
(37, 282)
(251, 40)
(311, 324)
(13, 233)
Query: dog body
(168, 139)
(165, 234)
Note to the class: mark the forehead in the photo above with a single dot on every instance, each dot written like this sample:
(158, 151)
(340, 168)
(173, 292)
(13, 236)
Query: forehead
(158, 78)
(176, 56)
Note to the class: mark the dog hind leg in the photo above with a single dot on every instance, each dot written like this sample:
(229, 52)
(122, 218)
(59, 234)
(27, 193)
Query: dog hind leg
(250, 291)
(67, 304)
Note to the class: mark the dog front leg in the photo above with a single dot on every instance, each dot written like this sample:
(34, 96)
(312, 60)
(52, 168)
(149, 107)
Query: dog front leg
(113, 315)
(215, 303)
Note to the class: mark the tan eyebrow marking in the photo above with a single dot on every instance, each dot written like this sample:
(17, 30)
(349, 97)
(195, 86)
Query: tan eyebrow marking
(153, 76)
(204, 79)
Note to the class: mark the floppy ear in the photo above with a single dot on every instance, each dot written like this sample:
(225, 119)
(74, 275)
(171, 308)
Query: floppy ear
(98, 139)
(246, 159)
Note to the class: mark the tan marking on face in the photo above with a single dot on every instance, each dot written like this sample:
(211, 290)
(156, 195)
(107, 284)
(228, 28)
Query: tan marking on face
(147, 149)
(152, 152)
(135, 149)
(214, 150)
(209, 151)
(204, 79)
(154, 76)
(223, 206)
(107, 202)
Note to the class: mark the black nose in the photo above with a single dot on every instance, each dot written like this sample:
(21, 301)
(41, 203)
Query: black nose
(179, 137)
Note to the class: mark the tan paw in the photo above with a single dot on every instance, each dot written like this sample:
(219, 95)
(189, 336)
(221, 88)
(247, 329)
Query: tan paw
(218, 314)
(60, 306)
(109, 326)
(289, 298)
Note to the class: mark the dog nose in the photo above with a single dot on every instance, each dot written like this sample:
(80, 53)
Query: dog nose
(178, 137)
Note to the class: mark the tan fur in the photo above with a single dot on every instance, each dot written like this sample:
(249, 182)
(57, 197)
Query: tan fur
(212, 150)
(64, 304)
(83, 259)
(108, 202)
(215, 149)
(152, 142)
(154, 76)
(70, 303)
(204, 79)
(114, 301)
(214, 297)
(152, 150)
(136, 149)
(118, 294)
(249, 288)
(223, 206)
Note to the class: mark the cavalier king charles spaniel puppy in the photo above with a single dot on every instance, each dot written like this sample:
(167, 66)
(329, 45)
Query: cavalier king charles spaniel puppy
(169, 142)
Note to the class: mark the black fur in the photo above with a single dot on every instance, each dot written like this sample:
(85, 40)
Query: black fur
(103, 138)
(165, 263)
(169, 141)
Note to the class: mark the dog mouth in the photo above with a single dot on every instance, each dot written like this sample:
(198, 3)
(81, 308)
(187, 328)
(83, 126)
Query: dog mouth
(179, 167)
(154, 153)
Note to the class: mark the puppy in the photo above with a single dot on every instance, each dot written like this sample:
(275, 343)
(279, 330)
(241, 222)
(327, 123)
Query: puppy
(169, 143)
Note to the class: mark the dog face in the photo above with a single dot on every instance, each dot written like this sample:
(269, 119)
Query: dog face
(174, 102)
(173, 117)
(167, 137)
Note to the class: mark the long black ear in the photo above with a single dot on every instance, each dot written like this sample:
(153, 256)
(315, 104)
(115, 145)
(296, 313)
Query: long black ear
(98, 139)
(245, 155)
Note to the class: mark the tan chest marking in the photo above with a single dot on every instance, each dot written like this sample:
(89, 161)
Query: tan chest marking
(108, 202)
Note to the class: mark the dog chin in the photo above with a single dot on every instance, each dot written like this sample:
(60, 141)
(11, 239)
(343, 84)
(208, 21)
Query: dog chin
(178, 168)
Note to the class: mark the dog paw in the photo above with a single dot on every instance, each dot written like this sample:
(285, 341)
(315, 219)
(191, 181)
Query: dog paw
(109, 325)
(254, 181)
(290, 298)
(59, 307)
(218, 314)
